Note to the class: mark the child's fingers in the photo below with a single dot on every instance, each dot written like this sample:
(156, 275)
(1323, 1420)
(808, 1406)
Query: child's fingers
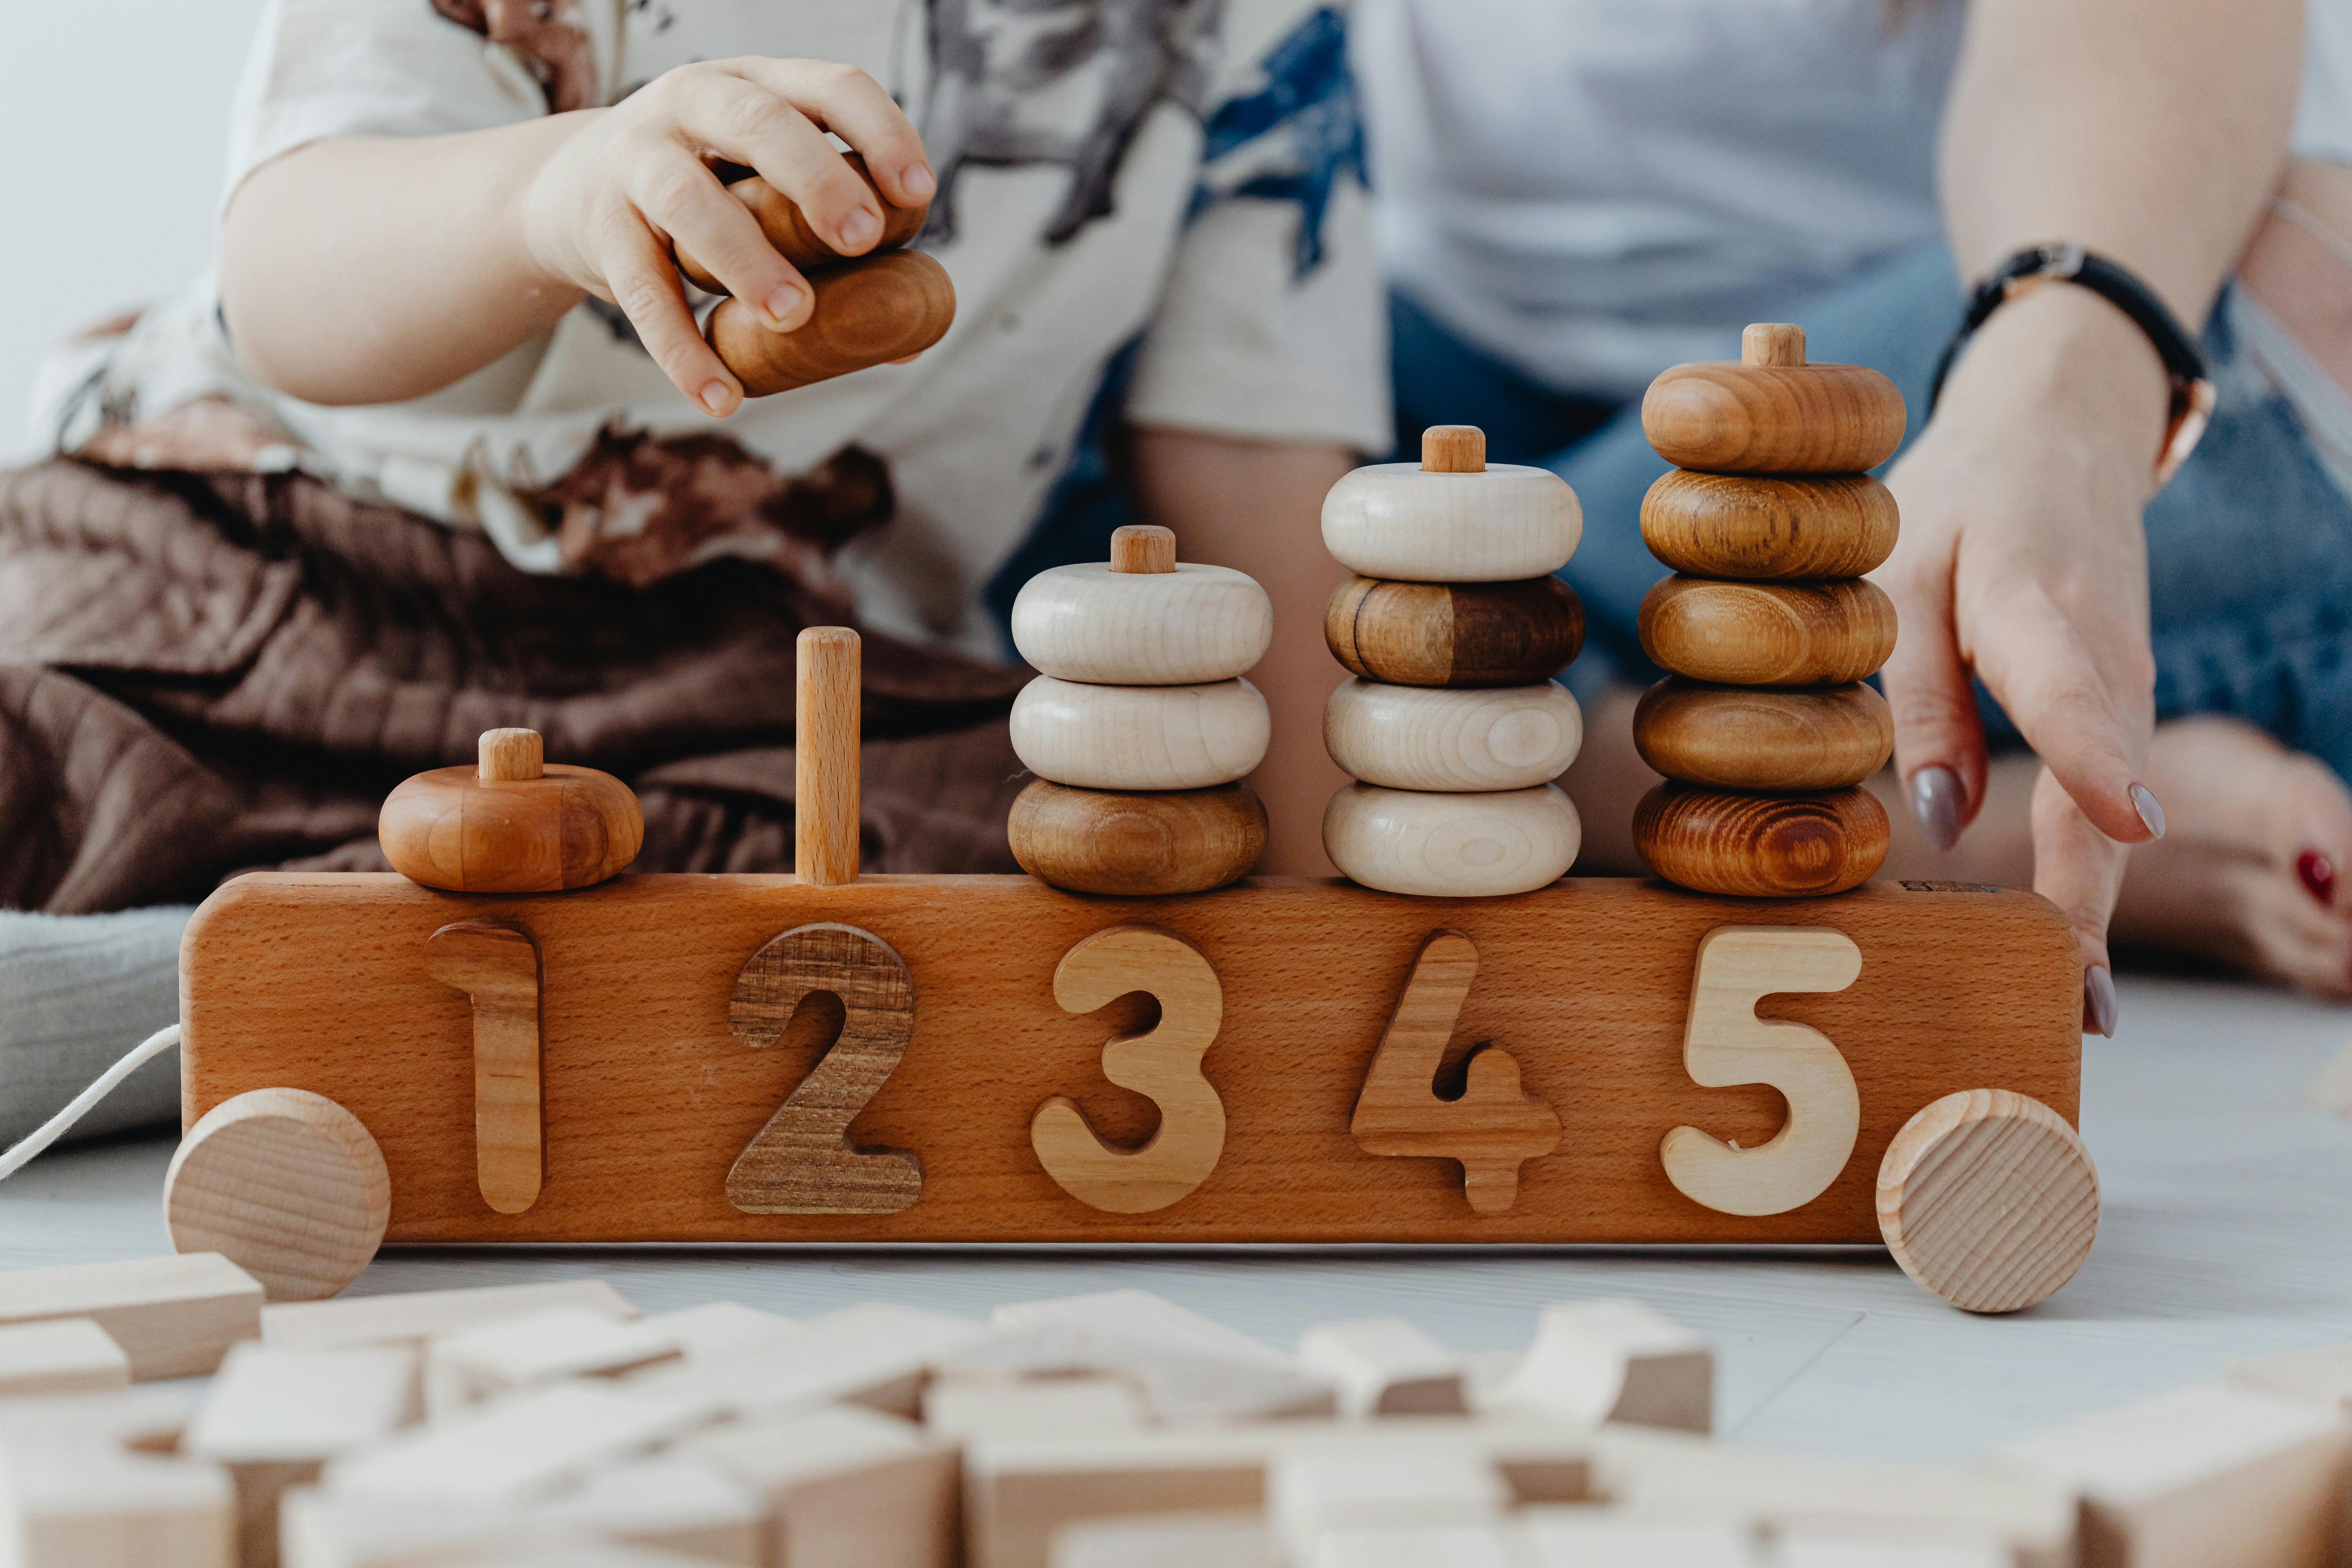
(744, 122)
(645, 285)
(679, 194)
(854, 106)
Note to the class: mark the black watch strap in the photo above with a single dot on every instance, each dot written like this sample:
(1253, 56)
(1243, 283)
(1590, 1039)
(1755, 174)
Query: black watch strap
(2184, 364)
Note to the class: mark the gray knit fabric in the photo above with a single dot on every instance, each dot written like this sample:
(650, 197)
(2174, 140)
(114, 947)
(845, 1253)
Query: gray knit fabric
(77, 992)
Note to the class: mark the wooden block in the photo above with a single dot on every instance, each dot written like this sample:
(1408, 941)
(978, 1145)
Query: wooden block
(1139, 737)
(1887, 1547)
(869, 311)
(843, 1487)
(958, 1408)
(828, 709)
(1761, 846)
(1767, 634)
(173, 1316)
(1488, 1545)
(1385, 1367)
(1614, 1360)
(788, 230)
(1136, 844)
(1455, 634)
(580, 1554)
(1743, 527)
(2200, 1476)
(671, 1502)
(496, 964)
(286, 1184)
(1186, 626)
(1764, 737)
(719, 1328)
(1023, 1487)
(273, 1417)
(1167, 1540)
(533, 1348)
(1313, 1490)
(314, 981)
(2321, 1376)
(1989, 1199)
(59, 1355)
(93, 1481)
(1452, 846)
(416, 1316)
(879, 1355)
(1773, 411)
(507, 825)
(510, 1452)
(1417, 738)
(1620, 1537)
(1498, 525)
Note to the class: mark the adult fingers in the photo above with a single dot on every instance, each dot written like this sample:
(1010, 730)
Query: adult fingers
(854, 106)
(680, 197)
(1939, 745)
(2080, 869)
(741, 120)
(645, 285)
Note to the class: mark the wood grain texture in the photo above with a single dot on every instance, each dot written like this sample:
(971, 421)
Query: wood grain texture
(1181, 627)
(174, 1316)
(1141, 737)
(800, 1161)
(789, 231)
(1162, 1064)
(313, 981)
(1989, 1199)
(1737, 526)
(1452, 846)
(1738, 418)
(1136, 844)
(1492, 1128)
(1725, 1044)
(1772, 343)
(509, 756)
(1142, 549)
(453, 829)
(1764, 737)
(1454, 449)
(828, 714)
(1767, 634)
(1455, 634)
(495, 963)
(1498, 525)
(284, 1184)
(870, 312)
(1422, 738)
(1761, 845)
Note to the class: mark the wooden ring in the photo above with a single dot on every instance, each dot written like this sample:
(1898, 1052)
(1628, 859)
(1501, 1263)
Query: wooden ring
(1736, 418)
(869, 309)
(1136, 846)
(1989, 1199)
(1455, 634)
(1106, 628)
(1401, 521)
(1139, 737)
(285, 1184)
(1719, 525)
(1764, 737)
(1452, 846)
(453, 829)
(1767, 634)
(1761, 845)
(1429, 739)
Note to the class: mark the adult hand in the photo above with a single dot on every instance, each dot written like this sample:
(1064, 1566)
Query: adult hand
(2022, 560)
(604, 210)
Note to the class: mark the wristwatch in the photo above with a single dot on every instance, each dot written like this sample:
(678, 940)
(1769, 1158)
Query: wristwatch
(2063, 261)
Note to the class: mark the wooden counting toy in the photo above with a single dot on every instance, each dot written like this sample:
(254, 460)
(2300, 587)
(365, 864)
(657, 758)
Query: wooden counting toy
(1763, 728)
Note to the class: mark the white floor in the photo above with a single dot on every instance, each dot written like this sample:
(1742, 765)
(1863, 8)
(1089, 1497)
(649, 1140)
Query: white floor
(2226, 1231)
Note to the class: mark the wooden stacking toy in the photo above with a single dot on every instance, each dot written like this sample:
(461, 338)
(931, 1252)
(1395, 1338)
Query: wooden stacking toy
(1453, 728)
(1139, 728)
(1765, 730)
(510, 824)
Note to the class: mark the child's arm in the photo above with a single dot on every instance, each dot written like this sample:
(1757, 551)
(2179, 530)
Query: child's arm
(1257, 507)
(369, 270)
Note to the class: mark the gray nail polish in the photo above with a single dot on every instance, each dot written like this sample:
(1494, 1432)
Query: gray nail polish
(2099, 999)
(2149, 811)
(1936, 799)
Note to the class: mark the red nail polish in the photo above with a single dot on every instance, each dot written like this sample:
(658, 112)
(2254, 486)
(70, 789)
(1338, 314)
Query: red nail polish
(2318, 874)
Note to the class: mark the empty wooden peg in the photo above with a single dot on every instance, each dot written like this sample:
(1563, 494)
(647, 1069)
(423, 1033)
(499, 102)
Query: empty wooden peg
(510, 824)
(1761, 845)
(1136, 844)
(1741, 526)
(1139, 737)
(1452, 846)
(868, 311)
(828, 712)
(1772, 413)
(495, 963)
(1764, 737)
(794, 238)
(286, 1184)
(1452, 519)
(1989, 1199)
(1455, 634)
(1767, 634)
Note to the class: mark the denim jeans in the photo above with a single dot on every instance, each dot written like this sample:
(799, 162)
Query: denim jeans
(2250, 547)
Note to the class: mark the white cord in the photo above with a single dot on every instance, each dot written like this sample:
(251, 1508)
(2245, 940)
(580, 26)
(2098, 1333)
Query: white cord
(54, 1128)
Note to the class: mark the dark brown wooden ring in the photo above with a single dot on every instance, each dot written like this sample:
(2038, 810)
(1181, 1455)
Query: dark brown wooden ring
(1740, 526)
(1455, 634)
(1764, 737)
(1761, 845)
(868, 311)
(1736, 418)
(1767, 634)
(1136, 844)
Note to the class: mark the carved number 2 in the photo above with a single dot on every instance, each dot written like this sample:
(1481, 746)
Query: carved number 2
(1726, 1043)
(801, 1162)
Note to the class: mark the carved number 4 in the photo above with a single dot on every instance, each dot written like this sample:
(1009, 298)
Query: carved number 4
(801, 1162)
(1491, 1128)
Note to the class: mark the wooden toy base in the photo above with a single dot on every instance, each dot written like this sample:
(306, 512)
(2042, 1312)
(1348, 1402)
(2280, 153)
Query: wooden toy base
(322, 982)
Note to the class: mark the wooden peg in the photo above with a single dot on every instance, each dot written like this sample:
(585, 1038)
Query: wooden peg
(1454, 449)
(1183, 626)
(868, 311)
(511, 756)
(496, 962)
(1139, 737)
(1420, 738)
(1136, 844)
(1989, 1199)
(1142, 549)
(1772, 343)
(1455, 634)
(794, 238)
(827, 715)
(285, 1184)
(1761, 845)
(1764, 737)
(1452, 846)
(1767, 634)
(510, 824)
(1774, 413)
(1745, 526)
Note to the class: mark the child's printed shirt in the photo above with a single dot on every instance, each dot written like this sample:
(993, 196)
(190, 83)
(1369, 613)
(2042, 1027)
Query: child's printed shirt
(1164, 192)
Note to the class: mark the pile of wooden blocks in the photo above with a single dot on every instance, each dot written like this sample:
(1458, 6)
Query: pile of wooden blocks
(553, 1426)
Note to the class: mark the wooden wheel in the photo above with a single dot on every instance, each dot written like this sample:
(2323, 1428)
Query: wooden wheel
(286, 1185)
(1989, 1199)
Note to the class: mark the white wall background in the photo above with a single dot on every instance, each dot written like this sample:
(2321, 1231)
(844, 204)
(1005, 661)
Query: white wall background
(113, 125)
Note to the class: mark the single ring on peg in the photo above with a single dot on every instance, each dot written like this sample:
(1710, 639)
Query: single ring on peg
(512, 824)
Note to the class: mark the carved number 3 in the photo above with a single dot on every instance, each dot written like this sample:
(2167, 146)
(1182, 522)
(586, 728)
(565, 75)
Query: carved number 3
(1726, 1043)
(1163, 1063)
(801, 1162)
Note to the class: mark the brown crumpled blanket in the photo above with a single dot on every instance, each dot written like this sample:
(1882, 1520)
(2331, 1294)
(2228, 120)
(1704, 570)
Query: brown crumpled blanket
(202, 674)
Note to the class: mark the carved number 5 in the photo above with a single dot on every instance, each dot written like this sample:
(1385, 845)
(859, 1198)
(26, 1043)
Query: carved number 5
(1728, 1044)
(1163, 1063)
(801, 1162)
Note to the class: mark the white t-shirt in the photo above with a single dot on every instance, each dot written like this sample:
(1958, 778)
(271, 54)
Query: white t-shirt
(1188, 177)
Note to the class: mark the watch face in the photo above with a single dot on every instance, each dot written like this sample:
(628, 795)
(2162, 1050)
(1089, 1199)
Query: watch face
(2192, 406)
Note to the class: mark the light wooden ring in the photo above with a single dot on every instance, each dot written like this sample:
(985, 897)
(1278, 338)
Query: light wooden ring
(1184, 628)
(1764, 737)
(1767, 634)
(1989, 1199)
(1455, 634)
(1761, 845)
(1721, 525)
(286, 1185)
(1452, 846)
(1738, 418)
(1139, 737)
(1136, 846)
(1401, 521)
(1430, 739)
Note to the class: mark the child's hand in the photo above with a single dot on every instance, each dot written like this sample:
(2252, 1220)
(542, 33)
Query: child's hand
(631, 183)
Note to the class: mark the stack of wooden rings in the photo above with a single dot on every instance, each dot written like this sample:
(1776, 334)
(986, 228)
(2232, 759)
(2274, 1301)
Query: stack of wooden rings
(1453, 628)
(1765, 730)
(1139, 728)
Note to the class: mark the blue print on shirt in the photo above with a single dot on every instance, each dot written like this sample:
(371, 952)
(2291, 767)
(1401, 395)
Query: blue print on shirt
(1309, 90)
